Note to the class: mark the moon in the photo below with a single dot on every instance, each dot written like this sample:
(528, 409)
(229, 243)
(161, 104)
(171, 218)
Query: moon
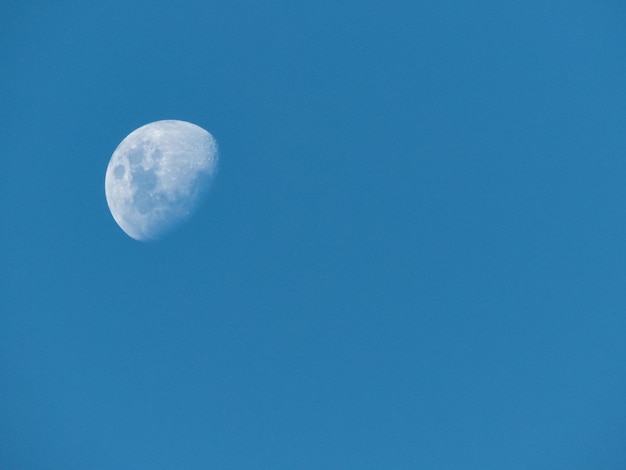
(157, 177)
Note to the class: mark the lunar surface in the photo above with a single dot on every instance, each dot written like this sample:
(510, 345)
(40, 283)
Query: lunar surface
(158, 176)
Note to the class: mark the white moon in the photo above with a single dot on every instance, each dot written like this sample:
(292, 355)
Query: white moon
(158, 175)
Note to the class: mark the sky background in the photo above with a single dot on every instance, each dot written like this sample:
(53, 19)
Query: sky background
(413, 255)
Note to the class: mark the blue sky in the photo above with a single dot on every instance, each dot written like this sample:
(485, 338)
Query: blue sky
(412, 256)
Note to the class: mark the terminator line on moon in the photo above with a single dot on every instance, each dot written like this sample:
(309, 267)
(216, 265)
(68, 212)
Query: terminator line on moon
(158, 175)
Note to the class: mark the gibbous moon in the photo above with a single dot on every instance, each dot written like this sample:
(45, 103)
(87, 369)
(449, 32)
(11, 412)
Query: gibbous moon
(158, 175)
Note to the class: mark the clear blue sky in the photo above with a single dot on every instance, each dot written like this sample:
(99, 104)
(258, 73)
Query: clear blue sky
(413, 256)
